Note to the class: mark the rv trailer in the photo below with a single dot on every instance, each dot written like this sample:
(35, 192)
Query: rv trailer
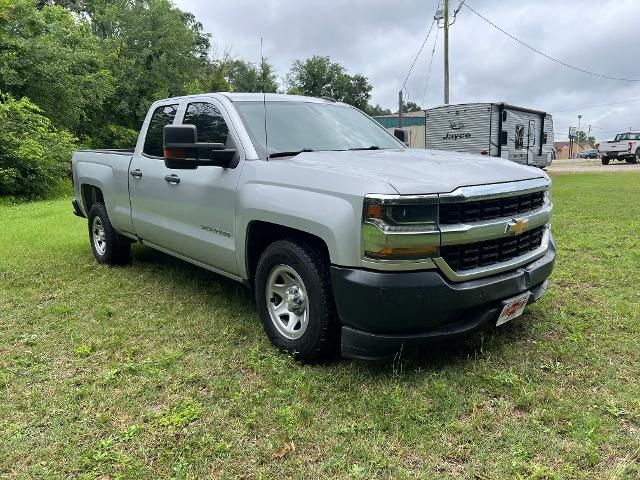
(519, 134)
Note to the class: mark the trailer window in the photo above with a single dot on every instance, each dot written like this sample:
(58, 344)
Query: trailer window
(519, 137)
(163, 115)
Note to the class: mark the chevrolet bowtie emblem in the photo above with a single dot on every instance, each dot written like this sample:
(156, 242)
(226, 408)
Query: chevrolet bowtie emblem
(516, 226)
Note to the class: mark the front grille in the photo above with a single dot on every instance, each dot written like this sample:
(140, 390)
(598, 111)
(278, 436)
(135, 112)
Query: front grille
(490, 252)
(452, 213)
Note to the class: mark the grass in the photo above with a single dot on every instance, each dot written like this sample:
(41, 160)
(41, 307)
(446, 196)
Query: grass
(160, 369)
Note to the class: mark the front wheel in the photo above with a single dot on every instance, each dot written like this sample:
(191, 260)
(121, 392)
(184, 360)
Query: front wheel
(295, 300)
(605, 160)
(107, 245)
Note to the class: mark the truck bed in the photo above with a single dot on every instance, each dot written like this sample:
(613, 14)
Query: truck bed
(108, 170)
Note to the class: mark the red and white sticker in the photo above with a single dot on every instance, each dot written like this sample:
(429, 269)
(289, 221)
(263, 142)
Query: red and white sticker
(513, 308)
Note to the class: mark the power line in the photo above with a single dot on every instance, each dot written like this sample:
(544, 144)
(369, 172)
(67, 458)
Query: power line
(404, 85)
(549, 57)
(633, 100)
(426, 85)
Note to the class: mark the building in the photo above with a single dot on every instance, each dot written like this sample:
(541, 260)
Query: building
(562, 148)
(413, 122)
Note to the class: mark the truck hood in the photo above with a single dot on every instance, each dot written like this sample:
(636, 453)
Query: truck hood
(412, 171)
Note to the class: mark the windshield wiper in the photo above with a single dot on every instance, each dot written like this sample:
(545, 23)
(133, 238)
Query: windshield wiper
(372, 147)
(289, 154)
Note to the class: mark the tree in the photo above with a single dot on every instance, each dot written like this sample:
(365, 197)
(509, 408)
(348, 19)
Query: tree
(34, 155)
(377, 110)
(153, 49)
(51, 56)
(320, 77)
(244, 76)
(582, 137)
(411, 107)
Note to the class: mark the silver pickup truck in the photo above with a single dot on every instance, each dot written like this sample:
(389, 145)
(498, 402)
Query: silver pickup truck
(351, 241)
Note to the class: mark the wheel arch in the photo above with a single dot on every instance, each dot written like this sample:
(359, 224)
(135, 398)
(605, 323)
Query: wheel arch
(90, 195)
(260, 234)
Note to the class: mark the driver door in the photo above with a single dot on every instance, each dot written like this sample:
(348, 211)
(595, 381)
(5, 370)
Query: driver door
(194, 209)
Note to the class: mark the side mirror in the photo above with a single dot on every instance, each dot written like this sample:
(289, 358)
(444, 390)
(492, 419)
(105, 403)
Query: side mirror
(402, 135)
(183, 151)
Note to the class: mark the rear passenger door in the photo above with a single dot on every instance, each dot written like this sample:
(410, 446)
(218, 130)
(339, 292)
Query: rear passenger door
(191, 213)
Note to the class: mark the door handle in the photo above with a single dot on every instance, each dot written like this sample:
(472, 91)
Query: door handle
(172, 179)
(137, 173)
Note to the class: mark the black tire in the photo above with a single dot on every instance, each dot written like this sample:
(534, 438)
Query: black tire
(605, 160)
(319, 340)
(113, 249)
(636, 157)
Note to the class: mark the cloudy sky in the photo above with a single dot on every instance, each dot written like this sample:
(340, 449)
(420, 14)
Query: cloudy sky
(380, 39)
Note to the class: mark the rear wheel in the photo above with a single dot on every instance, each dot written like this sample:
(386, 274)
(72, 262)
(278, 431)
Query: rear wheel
(605, 160)
(636, 157)
(295, 300)
(108, 246)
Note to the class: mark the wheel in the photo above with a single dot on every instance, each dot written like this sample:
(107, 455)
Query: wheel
(107, 245)
(605, 160)
(295, 300)
(636, 157)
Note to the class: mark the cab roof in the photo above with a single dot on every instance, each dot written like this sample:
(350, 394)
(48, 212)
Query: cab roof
(273, 97)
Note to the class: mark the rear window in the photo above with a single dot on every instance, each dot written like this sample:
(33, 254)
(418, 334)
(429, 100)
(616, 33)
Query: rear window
(163, 115)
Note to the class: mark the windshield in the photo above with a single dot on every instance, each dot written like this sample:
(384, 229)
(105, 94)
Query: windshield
(297, 126)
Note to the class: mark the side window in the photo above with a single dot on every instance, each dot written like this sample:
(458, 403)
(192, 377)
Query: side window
(162, 116)
(519, 137)
(209, 122)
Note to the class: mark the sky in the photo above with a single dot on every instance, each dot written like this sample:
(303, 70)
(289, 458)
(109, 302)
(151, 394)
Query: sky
(380, 40)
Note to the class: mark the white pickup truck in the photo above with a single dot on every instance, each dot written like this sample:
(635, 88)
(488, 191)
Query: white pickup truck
(626, 146)
(351, 241)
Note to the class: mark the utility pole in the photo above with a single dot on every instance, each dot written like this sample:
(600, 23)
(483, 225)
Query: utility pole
(400, 105)
(578, 136)
(446, 52)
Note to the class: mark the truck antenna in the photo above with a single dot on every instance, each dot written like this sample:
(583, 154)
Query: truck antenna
(264, 102)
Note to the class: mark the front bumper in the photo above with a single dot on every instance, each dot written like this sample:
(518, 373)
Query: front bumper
(383, 312)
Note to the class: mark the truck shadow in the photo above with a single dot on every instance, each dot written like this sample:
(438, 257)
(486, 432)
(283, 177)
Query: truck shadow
(186, 280)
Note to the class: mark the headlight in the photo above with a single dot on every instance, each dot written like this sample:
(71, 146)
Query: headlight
(400, 227)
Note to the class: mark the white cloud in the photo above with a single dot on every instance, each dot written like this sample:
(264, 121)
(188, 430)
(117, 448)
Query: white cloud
(380, 39)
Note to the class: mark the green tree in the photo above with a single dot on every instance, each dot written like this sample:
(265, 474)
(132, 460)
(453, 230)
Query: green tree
(319, 77)
(582, 137)
(34, 155)
(154, 50)
(244, 76)
(51, 56)
(411, 107)
(377, 110)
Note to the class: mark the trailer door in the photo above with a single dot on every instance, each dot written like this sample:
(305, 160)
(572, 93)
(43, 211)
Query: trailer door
(531, 140)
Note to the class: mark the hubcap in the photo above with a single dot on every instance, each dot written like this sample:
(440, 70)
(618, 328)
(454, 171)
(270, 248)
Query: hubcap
(99, 237)
(287, 302)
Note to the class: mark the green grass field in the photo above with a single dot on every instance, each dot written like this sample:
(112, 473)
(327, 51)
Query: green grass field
(160, 369)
